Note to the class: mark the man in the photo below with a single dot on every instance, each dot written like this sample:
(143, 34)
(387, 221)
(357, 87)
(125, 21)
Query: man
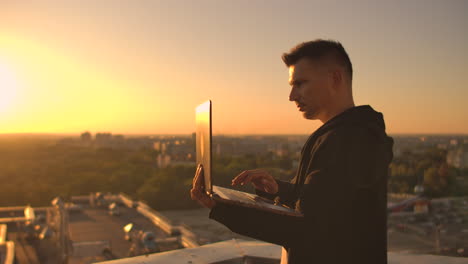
(341, 183)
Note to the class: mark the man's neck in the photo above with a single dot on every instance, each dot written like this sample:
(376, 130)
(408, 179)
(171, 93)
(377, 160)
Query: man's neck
(336, 111)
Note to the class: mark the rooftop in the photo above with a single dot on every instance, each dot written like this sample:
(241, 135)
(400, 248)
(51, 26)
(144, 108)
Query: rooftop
(92, 231)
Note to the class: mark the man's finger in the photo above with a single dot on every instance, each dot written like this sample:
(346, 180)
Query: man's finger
(246, 178)
(253, 176)
(268, 186)
(198, 179)
(201, 198)
(197, 172)
(239, 178)
(194, 194)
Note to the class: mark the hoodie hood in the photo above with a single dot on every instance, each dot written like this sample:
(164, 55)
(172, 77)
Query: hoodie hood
(358, 115)
(361, 116)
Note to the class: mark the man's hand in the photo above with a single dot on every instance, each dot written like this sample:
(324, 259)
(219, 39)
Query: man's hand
(197, 193)
(260, 179)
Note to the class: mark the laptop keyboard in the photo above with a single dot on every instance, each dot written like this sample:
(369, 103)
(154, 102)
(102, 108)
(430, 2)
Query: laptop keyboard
(252, 200)
(240, 196)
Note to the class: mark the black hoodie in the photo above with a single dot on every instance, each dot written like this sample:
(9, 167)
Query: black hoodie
(341, 189)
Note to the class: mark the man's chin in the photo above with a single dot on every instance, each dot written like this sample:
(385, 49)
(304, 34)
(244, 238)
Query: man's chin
(308, 115)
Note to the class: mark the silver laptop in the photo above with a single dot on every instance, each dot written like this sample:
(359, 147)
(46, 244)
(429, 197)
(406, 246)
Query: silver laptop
(221, 194)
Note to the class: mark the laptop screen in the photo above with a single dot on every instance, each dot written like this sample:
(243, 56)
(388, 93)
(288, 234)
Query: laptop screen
(203, 141)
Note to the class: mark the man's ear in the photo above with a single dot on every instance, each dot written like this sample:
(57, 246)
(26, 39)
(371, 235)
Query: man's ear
(337, 78)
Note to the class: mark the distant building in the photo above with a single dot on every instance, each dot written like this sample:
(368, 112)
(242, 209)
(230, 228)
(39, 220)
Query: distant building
(218, 150)
(86, 136)
(283, 150)
(103, 137)
(458, 157)
(442, 146)
(119, 138)
(157, 146)
(163, 160)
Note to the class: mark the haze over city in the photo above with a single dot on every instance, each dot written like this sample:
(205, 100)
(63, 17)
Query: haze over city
(141, 67)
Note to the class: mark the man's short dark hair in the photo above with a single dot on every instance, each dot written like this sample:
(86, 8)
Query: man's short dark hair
(319, 49)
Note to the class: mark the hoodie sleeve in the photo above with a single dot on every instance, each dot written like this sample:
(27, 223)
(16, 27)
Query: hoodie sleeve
(327, 199)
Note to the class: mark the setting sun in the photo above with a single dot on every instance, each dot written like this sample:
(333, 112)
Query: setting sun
(8, 87)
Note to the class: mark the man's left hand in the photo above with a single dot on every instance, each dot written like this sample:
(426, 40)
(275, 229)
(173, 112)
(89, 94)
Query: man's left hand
(197, 193)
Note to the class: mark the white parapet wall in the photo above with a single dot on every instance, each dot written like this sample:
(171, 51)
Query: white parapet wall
(211, 253)
(241, 249)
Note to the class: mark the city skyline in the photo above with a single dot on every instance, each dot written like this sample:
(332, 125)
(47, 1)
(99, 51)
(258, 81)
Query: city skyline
(142, 68)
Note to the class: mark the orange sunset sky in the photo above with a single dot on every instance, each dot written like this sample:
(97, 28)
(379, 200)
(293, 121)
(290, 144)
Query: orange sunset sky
(141, 67)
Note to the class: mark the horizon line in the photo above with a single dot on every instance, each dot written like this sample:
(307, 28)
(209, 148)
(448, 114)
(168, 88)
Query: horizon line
(215, 134)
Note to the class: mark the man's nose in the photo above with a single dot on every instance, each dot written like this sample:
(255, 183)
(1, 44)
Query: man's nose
(293, 95)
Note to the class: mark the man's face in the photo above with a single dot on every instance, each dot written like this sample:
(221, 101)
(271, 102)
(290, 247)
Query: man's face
(309, 88)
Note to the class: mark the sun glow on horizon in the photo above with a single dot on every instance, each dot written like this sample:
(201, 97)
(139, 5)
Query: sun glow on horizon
(9, 87)
(47, 90)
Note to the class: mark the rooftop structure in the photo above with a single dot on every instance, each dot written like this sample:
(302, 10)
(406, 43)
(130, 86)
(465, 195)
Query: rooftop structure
(110, 228)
